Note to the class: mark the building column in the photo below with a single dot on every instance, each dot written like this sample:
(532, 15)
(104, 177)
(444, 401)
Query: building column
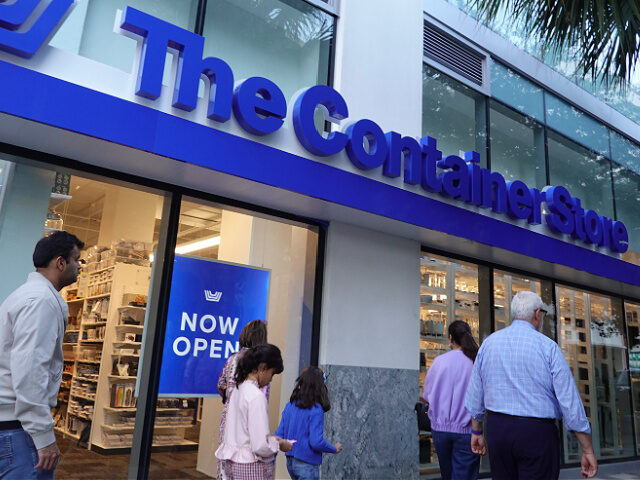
(369, 347)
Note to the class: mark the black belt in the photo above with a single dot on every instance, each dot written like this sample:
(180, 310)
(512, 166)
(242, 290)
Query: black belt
(535, 419)
(11, 425)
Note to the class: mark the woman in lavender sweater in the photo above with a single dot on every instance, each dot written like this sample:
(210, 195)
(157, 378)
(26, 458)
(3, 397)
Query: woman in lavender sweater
(445, 388)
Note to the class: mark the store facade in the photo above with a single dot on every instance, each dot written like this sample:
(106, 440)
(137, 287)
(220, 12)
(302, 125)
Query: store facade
(386, 187)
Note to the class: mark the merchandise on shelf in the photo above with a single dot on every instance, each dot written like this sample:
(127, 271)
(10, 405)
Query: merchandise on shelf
(122, 395)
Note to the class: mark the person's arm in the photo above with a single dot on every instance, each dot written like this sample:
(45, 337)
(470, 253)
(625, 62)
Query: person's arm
(474, 398)
(474, 404)
(316, 432)
(572, 409)
(35, 336)
(262, 444)
(588, 462)
(477, 439)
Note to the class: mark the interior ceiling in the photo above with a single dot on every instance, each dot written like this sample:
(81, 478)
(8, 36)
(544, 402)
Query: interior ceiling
(82, 213)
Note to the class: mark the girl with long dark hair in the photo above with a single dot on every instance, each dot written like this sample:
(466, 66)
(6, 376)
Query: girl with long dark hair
(445, 387)
(253, 334)
(303, 420)
(248, 450)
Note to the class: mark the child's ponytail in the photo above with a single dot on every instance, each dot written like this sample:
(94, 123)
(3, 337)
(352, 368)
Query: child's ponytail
(252, 358)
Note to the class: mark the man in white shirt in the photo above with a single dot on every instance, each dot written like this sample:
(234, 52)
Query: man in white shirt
(32, 323)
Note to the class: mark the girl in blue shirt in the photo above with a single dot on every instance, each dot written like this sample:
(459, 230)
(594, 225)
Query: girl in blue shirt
(303, 421)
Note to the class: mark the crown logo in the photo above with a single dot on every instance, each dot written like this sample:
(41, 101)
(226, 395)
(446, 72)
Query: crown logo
(211, 296)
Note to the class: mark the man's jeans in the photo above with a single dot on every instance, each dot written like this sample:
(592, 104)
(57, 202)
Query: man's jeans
(18, 457)
(299, 470)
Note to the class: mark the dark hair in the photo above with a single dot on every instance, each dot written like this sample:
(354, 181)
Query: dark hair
(57, 244)
(252, 358)
(461, 334)
(253, 334)
(311, 389)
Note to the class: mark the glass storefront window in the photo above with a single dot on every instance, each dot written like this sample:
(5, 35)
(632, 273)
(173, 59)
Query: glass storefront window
(288, 42)
(517, 147)
(448, 292)
(586, 175)
(576, 125)
(513, 89)
(505, 286)
(591, 335)
(453, 114)
(6, 168)
(632, 313)
(627, 191)
(211, 232)
(626, 178)
(625, 152)
(117, 222)
(89, 29)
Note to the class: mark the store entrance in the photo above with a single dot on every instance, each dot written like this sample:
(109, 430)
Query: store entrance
(120, 224)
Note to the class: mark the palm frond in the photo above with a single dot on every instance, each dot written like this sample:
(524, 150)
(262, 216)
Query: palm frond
(603, 36)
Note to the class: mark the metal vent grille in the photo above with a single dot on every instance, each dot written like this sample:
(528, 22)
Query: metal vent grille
(451, 53)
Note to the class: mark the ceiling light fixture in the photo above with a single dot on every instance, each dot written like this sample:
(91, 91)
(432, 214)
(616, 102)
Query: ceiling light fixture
(194, 246)
(199, 245)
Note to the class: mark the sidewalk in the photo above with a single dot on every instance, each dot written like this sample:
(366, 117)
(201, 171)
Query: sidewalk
(610, 471)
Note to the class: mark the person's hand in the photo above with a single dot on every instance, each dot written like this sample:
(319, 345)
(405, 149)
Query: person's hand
(48, 457)
(477, 445)
(589, 465)
(338, 446)
(285, 445)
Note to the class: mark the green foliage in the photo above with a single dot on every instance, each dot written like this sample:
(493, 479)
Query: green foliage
(603, 36)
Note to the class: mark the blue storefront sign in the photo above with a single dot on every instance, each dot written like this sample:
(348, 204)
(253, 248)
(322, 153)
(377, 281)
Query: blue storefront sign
(575, 237)
(210, 303)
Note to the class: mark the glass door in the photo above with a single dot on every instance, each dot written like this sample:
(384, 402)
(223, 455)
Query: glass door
(448, 292)
(632, 313)
(592, 340)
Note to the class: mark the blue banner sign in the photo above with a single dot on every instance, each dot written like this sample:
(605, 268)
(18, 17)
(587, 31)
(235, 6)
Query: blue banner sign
(210, 304)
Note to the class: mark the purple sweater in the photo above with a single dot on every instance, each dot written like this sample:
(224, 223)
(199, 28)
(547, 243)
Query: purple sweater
(445, 388)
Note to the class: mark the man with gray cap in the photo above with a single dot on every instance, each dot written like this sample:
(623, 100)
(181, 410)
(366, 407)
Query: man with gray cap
(522, 382)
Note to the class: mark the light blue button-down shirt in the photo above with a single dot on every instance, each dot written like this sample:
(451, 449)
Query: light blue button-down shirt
(519, 371)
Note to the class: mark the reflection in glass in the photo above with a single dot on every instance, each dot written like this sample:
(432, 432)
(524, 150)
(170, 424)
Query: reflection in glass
(453, 114)
(517, 147)
(632, 313)
(591, 338)
(627, 191)
(89, 29)
(516, 91)
(5, 169)
(625, 152)
(626, 177)
(448, 292)
(586, 175)
(576, 125)
(287, 42)
(505, 286)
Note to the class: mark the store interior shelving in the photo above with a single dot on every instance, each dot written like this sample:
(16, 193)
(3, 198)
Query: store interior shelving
(107, 307)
